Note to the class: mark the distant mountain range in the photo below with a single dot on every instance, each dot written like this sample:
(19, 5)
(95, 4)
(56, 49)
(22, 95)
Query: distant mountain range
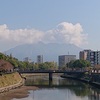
(50, 51)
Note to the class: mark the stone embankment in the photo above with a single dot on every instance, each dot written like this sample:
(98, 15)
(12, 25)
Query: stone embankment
(10, 81)
(93, 83)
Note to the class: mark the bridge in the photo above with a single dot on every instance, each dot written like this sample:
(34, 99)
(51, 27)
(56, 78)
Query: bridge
(50, 72)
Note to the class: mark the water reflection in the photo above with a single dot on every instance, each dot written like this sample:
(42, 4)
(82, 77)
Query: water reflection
(58, 89)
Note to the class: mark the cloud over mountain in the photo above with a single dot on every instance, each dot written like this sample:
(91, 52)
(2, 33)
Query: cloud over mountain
(63, 33)
(67, 33)
(20, 35)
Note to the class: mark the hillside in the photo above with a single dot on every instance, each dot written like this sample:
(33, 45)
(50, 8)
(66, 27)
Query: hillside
(50, 51)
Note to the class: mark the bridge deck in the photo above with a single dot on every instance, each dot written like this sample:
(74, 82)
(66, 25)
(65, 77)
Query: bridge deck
(52, 71)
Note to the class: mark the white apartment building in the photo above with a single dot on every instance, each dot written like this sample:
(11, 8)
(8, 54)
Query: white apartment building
(95, 58)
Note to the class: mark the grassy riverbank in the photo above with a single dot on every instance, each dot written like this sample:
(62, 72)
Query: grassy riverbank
(9, 79)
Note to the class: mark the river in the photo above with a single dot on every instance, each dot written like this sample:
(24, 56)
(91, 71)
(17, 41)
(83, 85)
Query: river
(60, 89)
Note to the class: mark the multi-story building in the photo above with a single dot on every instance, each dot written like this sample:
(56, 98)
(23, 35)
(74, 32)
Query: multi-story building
(85, 55)
(88, 54)
(64, 59)
(92, 56)
(40, 59)
(27, 59)
(95, 58)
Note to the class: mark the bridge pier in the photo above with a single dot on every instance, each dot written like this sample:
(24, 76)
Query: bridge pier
(50, 83)
(50, 76)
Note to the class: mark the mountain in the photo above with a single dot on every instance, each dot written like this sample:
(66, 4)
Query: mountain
(50, 51)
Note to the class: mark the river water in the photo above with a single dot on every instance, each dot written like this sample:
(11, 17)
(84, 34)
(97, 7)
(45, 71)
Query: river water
(60, 89)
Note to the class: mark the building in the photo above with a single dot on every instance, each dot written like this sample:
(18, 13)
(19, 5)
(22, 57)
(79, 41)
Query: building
(85, 55)
(40, 59)
(64, 59)
(92, 56)
(95, 58)
(27, 59)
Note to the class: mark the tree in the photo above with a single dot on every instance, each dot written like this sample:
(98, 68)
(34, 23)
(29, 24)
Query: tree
(70, 64)
(2, 56)
(22, 65)
(79, 64)
(47, 66)
(35, 66)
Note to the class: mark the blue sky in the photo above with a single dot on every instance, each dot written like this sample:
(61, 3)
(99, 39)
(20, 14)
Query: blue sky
(34, 20)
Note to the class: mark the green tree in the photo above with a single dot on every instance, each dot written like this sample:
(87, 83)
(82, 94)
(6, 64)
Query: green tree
(35, 66)
(47, 66)
(2, 56)
(79, 64)
(70, 64)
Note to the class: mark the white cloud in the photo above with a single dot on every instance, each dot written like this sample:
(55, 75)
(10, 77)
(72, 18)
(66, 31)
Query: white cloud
(63, 33)
(67, 33)
(20, 35)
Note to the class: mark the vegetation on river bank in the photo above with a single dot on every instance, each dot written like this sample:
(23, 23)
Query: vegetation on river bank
(9, 79)
(25, 65)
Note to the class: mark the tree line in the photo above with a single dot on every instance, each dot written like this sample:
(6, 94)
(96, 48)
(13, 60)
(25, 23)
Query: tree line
(25, 65)
(77, 64)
